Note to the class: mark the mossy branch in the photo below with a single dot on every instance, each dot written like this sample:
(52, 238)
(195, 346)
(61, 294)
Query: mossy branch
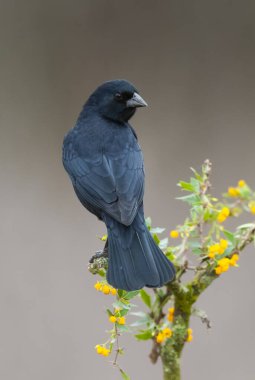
(207, 249)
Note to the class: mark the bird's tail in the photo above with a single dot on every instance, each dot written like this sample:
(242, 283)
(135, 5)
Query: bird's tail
(135, 260)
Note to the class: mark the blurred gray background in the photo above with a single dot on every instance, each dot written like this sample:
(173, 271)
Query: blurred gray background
(193, 62)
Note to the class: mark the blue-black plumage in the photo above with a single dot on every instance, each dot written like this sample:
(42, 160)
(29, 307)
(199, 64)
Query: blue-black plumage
(104, 161)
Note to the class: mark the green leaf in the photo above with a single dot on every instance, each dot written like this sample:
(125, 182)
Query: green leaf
(230, 236)
(191, 199)
(109, 312)
(245, 192)
(157, 230)
(197, 251)
(124, 375)
(141, 314)
(145, 319)
(148, 222)
(144, 335)
(121, 305)
(186, 186)
(208, 214)
(156, 239)
(101, 273)
(247, 225)
(142, 322)
(145, 297)
(195, 244)
(123, 328)
(195, 183)
(169, 254)
(131, 295)
(163, 243)
(120, 292)
(123, 312)
(197, 175)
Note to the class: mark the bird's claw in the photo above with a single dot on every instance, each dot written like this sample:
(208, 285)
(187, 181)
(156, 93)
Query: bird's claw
(98, 255)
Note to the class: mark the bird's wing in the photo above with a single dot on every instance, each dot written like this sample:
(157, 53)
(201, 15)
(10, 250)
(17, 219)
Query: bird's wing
(109, 182)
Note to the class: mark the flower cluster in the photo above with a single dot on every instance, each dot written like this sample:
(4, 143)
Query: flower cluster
(170, 315)
(119, 320)
(223, 214)
(217, 249)
(163, 335)
(189, 335)
(104, 288)
(224, 264)
(234, 192)
(101, 350)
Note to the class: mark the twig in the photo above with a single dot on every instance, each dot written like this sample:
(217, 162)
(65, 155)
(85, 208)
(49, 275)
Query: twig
(117, 344)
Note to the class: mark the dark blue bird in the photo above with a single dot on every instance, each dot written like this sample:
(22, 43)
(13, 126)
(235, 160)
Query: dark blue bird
(104, 161)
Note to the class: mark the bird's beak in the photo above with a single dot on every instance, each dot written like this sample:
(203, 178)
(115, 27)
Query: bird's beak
(136, 101)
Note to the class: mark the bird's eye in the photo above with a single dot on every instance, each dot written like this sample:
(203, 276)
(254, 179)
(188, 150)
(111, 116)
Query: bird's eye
(118, 96)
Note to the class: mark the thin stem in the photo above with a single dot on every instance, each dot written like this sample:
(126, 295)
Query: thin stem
(117, 344)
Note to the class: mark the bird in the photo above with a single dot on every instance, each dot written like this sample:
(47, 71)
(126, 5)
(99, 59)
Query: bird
(104, 161)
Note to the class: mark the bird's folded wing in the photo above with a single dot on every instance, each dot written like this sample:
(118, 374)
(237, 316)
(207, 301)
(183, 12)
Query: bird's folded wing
(111, 183)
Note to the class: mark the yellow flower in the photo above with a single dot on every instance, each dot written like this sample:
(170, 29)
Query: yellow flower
(241, 183)
(112, 319)
(106, 289)
(121, 320)
(167, 332)
(113, 291)
(160, 338)
(104, 238)
(218, 270)
(233, 192)
(223, 244)
(217, 248)
(234, 259)
(174, 234)
(190, 335)
(98, 286)
(105, 352)
(225, 211)
(212, 248)
(170, 315)
(211, 255)
(99, 349)
(220, 249)
(252, 209)
(224, 264)
(221, 218)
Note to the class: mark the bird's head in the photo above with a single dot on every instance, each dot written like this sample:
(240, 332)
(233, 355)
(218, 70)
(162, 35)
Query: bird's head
(116, 100)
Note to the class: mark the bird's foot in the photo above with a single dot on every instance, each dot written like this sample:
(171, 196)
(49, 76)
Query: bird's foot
(98, 262)
(98, 255)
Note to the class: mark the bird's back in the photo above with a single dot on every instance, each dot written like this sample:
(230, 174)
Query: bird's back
(105, 164)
